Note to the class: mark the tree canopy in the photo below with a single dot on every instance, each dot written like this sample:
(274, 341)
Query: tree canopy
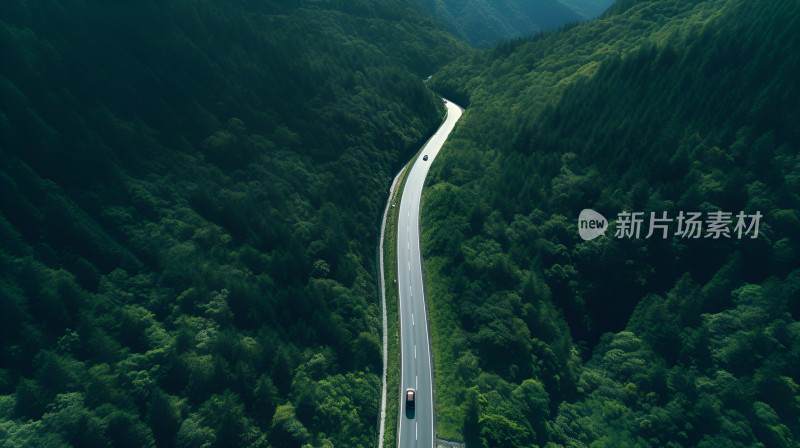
(657, 106)
(190, 199)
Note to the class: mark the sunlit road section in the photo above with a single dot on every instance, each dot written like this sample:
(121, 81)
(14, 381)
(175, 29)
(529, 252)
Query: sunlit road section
(416, 426)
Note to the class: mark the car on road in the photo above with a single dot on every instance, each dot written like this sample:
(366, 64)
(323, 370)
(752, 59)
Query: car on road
(425, 157)
(410, 394)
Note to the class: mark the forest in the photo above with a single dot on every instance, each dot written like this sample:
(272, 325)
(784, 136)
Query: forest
(191, 193)
(543, 339)
(189, 211)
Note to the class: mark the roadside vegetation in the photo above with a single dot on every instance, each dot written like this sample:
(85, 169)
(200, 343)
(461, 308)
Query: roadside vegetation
(392, 318)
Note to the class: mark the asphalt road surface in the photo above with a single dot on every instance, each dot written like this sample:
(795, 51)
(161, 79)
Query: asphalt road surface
(416, 427)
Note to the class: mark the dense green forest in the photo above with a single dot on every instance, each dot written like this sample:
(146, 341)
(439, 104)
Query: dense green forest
(484, 23)
(190, 194)
(543, 339)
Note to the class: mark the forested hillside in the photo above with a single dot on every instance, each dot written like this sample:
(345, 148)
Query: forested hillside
(190, 194)
(484, 23)
(544, 339)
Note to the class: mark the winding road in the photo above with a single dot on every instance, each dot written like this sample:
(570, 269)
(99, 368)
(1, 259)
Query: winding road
(416, 427)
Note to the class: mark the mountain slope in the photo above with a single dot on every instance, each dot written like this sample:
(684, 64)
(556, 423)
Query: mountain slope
(589, 8)
(484, 23)
(189, 209)
(658, 106)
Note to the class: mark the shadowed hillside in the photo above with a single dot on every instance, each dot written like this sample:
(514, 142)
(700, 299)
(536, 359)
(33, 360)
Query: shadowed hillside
(484, 23)
(542, 337)
(190, 196)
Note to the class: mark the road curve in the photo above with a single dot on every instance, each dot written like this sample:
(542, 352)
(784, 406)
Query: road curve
(416, 428)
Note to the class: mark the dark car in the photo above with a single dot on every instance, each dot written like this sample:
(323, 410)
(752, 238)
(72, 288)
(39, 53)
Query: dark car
(410, 398)
(425, 157)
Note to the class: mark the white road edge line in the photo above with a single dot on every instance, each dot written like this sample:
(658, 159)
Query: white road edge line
(427, 349)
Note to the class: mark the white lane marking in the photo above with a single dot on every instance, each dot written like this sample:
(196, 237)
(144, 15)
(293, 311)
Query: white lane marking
(415, 351)
(412, 318)
(416, 382)
(409, 265)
